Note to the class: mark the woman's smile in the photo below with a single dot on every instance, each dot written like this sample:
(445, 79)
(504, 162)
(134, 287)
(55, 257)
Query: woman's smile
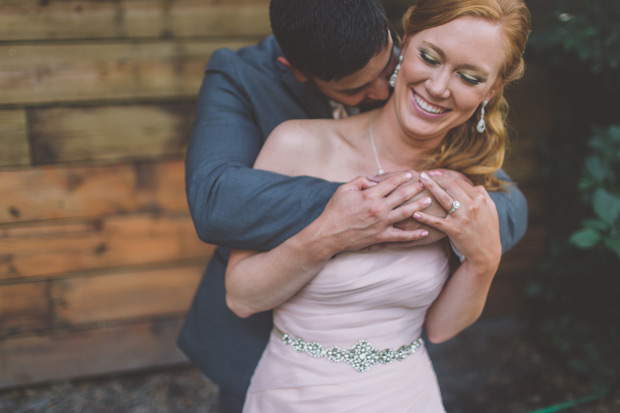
(426, 107)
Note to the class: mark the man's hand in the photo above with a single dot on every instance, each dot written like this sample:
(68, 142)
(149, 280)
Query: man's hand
(363, 213)
(443, 177)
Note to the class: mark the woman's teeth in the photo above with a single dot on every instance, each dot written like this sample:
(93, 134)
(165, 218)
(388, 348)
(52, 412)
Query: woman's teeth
(427, 107)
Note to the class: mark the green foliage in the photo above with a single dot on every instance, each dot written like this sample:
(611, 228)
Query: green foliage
(574, 296)
(585, 29)
(600, 187)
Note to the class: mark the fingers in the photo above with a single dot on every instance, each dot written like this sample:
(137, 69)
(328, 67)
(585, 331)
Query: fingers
(442, 175)
(441, 224)
(443, 198)
(383, 177)
(386, 186)
(357, 184)
(405, 211)
(399, 235)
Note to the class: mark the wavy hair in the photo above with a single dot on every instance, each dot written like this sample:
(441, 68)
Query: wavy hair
(477, 155)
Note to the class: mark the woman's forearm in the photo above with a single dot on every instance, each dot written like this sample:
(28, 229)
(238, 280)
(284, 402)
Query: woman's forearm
(460, 303)
(260, 281)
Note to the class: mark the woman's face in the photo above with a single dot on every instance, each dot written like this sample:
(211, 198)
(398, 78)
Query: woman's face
(447, 72)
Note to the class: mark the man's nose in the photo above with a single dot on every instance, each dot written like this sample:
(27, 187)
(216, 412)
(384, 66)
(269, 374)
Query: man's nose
(379, 89)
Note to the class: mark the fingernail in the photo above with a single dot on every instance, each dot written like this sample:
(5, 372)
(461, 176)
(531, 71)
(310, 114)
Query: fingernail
(424, 176)
(424, 233)
(417, 215)
(434, 173)
(427, 200)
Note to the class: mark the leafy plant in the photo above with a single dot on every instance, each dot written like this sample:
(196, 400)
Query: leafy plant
(600, 186)
(586, 29)
(573, 307)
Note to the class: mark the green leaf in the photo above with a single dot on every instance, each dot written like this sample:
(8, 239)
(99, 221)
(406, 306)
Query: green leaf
(613, 243)
(585, 238)
(595, 224)
(596, 168)
(606, 205)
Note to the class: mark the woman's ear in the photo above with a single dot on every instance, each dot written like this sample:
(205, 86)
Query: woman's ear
(298, 75)
(497, 88)
(404, 44)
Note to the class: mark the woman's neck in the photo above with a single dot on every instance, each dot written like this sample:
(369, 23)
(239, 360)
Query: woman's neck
(395, 149)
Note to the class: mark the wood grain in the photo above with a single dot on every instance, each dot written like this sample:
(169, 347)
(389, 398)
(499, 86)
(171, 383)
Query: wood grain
(114, 19)
(71, 354)
(128, 294)
(46, 193)
(14, 146)
(54, 248)
(23, 308)
(110, 132)
(54, 73)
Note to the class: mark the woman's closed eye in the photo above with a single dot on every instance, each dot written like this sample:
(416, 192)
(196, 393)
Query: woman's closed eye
(472, 80)
(428, 58)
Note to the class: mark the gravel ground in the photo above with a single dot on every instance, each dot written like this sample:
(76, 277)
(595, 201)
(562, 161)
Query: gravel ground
(488, 368)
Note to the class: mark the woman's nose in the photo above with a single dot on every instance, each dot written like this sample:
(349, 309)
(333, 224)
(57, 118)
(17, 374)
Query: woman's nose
(437, 84)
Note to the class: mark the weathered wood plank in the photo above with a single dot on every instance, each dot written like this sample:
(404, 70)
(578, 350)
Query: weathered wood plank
(68, 192)
(72, 354)
(114, 19)
(14, 147)
(109, 132)
(50, 249)
(31, 74)
(24, 307)
(132, 294)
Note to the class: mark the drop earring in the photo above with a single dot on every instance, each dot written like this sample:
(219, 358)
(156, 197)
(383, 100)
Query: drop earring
(481, 126)
(396, 69)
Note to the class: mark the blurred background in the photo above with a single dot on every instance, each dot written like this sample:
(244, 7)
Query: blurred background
(98, 256)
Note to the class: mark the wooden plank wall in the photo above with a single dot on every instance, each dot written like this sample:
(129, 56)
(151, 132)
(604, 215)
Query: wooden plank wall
(98, 255)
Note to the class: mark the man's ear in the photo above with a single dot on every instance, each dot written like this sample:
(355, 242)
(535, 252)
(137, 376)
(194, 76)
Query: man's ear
(298, 75)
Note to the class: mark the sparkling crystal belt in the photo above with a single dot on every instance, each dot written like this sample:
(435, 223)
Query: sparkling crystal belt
(361, 356)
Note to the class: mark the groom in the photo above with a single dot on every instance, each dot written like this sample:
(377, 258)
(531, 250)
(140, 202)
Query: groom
(327, 59)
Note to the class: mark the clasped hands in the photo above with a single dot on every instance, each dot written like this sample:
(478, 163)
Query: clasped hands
(411, 208)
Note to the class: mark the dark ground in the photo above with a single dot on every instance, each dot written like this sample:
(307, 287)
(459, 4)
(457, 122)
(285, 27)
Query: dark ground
(491, 367)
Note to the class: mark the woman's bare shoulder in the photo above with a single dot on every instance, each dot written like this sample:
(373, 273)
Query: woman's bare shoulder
(294, 145)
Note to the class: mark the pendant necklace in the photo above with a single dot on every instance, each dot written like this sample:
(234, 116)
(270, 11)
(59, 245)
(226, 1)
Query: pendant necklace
(374, 148)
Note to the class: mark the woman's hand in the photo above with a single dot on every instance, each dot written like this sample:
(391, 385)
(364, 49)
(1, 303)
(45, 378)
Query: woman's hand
(473, 227)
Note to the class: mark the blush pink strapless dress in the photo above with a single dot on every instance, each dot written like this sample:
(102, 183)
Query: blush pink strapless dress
(379, 296)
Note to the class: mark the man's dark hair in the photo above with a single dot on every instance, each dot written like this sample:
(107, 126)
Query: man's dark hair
(329, 39)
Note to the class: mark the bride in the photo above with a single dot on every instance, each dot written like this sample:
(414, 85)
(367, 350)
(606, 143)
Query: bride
(348, 325)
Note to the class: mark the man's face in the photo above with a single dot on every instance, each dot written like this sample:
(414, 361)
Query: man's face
(367, 86)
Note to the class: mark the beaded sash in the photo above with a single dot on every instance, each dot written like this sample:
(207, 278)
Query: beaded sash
(361, 356)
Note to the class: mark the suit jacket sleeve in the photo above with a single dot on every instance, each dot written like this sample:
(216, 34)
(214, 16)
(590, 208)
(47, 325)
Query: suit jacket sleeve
(236, 206)
(512, 212)
(232, 204)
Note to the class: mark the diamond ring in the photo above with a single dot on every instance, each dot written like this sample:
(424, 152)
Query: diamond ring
(455, 205)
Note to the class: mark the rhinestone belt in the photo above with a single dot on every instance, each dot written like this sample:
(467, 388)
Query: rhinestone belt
(361, 356)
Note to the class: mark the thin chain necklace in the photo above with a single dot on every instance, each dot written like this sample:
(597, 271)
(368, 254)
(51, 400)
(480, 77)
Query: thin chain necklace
(374, 148)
